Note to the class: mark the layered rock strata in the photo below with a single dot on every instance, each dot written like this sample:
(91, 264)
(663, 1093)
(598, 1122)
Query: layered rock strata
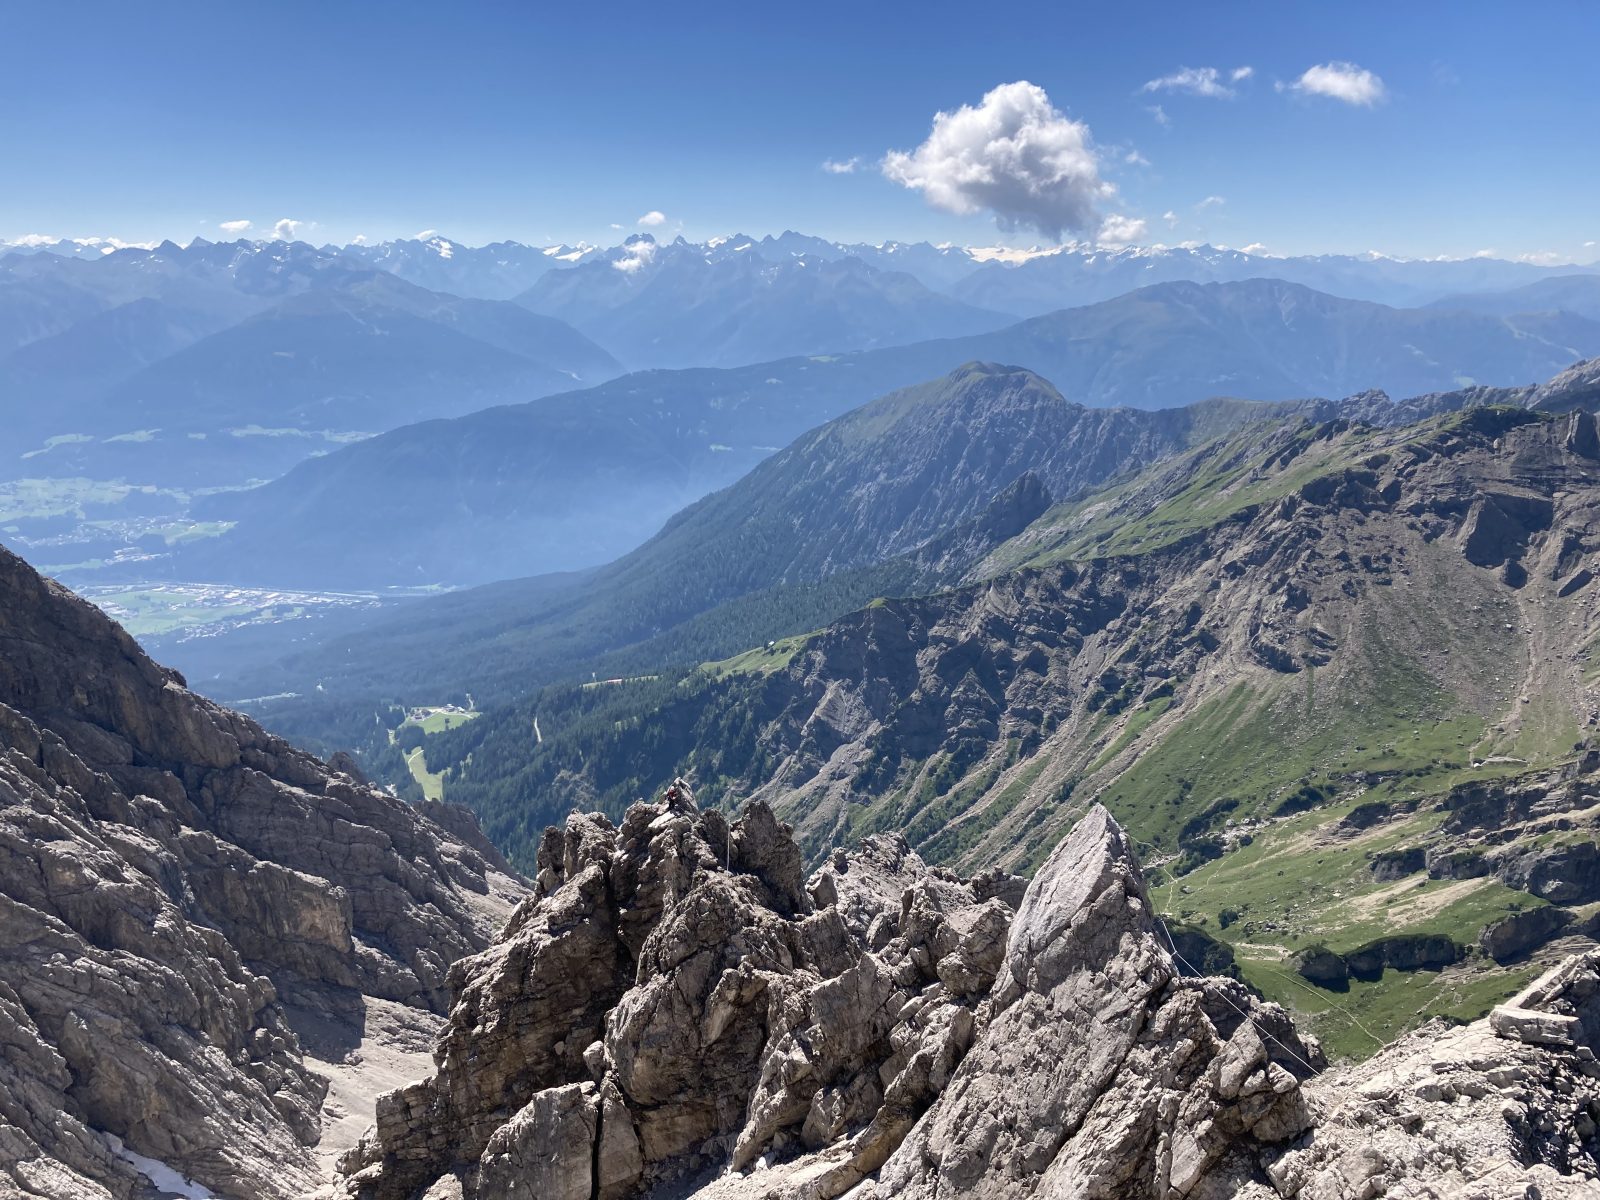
(180, 894)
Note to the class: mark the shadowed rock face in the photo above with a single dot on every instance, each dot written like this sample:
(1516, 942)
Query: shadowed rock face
(171, 877)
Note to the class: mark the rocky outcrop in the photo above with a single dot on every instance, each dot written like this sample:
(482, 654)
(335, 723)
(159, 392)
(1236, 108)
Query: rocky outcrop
(675, 1001)
(1490, 1110)
(1510, 938)
(669, 1009)
(665, 1019)
(1100, 1071)
(180, 893)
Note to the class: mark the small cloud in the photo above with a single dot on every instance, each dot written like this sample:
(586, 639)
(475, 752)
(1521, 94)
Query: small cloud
(636, 255)
(1134, 159)
(614, 225)
(360, 239)
(1171, 218)
(1254, 248)
(34, 240)
(285, 229)
(1212, 202)
(107, 245)
(1159, 113)
(1486, 253)
(234, 226)
(845, 166)
(1013, 153)
(1199, 81)
(653, 218)
(1118, 230)
(1588, 245)
(425, 234)
(1543, 258)
(1343, 81)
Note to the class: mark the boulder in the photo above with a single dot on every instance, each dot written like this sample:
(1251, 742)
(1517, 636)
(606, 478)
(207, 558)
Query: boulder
(1564, 874)
(1512, 937)
(1389, 865)
(1322, 966)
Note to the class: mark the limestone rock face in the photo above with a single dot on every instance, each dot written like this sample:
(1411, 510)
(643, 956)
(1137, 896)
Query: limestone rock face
(1101, 1072)
(741, 1029)
(1485, 1111)
(672, 1018)
(676, 997)
(175, 885)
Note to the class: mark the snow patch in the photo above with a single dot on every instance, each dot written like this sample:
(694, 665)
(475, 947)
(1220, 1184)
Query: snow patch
(163, 1177)
(1013, 255)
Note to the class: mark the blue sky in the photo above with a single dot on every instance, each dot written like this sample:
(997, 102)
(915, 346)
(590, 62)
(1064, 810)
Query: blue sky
(1480, 129)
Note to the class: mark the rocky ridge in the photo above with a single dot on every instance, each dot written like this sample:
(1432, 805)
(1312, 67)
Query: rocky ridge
(186, 903)
(676, 1015)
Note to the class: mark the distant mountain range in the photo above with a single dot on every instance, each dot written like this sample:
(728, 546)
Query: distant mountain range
(570, 481)
(1023, 282)
(1575, 294)
(498, 271)
(138, 363)
(738, 302)
(167, 372)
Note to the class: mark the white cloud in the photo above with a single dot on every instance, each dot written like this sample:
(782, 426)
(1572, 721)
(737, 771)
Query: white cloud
(1588, 245)
(1488, 252)
(425, 234)
(1212, 202)
(1199, 81)
(107, 245)
(34, 241)
(1118, 230)
(845, 166)
(234, 226)
(1341, 81)
(1134, 159)
(1254, 248)
(1171, 218)
(1543, 258)
(285, 229)
(614, 225)
(653, 218)
(1016, 155)
(360, 239)
(635, 256)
